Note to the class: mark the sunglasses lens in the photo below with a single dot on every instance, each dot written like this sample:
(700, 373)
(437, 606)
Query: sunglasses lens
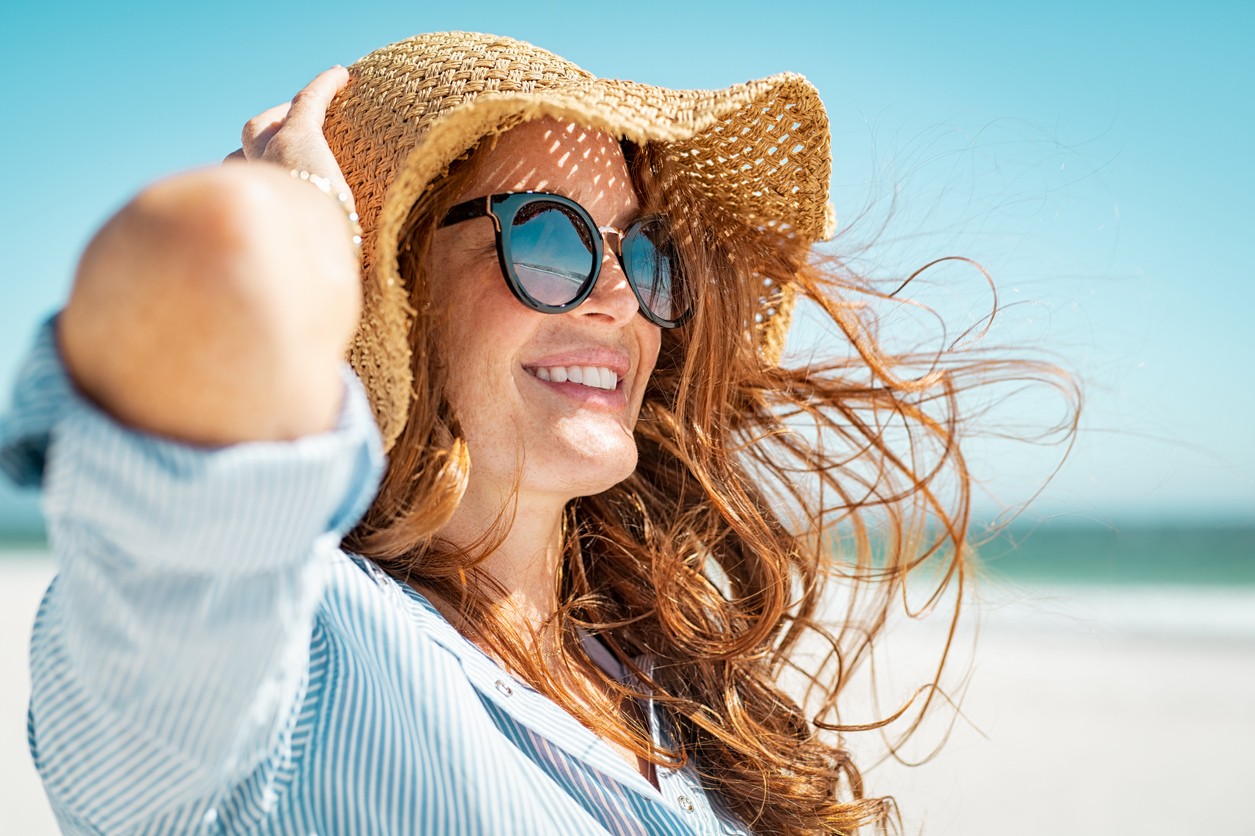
(552, 252)
(650, 258)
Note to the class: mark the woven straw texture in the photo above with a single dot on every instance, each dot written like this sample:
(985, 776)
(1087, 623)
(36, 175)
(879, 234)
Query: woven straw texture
(759, 149)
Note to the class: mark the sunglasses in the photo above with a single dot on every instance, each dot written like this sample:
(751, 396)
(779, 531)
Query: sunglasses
(551, 252)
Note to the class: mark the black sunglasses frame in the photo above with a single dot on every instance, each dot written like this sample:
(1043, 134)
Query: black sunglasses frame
(502, 209)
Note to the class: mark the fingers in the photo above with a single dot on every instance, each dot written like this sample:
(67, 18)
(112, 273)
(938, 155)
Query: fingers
(290, 135)
(259, 130)
(304, 115)
(236, 156)
(309, 107)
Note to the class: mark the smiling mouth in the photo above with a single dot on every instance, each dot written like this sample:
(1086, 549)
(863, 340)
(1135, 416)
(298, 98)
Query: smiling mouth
(595, 377)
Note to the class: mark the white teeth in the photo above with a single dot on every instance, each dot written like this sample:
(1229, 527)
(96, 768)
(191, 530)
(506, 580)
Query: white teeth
(596, 377)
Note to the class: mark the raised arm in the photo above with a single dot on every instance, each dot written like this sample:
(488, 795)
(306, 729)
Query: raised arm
(200, 461)
(215, 307)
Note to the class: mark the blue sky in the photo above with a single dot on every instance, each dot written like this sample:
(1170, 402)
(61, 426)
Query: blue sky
(1095, 157)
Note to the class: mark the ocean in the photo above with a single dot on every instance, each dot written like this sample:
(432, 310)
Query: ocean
(1165, 555)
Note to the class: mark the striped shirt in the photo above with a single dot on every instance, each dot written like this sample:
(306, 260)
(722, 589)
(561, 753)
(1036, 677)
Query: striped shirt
(208, 660)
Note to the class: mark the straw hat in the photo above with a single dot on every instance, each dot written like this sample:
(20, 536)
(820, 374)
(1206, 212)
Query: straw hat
(759, 149)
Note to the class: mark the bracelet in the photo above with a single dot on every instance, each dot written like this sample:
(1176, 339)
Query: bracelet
(342, 200)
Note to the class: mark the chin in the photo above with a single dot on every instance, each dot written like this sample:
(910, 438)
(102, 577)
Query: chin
(588, 473)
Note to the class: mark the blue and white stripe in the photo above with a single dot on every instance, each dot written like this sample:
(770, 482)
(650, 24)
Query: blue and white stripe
(208, 660)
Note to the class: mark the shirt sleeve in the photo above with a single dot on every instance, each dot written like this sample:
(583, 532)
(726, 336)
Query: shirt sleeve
(170, 654)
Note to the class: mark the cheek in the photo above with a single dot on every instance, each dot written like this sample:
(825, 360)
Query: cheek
(486, 333)
(468, 298)
(482, 346)
(459, 284)
(648, 342)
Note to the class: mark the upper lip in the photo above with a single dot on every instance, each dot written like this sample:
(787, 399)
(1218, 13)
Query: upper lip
(615, 361)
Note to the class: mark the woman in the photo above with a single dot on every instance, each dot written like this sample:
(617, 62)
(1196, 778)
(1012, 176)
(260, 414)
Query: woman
(603, 531)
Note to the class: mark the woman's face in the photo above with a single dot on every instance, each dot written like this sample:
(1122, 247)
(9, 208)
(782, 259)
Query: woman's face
(562, 439)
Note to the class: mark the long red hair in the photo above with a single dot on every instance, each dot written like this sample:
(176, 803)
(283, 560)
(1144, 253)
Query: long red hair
(757, 489)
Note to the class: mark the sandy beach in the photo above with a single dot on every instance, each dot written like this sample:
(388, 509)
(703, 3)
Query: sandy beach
(1088, 727)
(1089, 711)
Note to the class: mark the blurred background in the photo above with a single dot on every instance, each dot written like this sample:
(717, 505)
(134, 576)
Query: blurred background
(1093, 157)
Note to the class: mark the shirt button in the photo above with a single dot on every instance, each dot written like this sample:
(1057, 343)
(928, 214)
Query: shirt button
(503, 688)
(685, 804)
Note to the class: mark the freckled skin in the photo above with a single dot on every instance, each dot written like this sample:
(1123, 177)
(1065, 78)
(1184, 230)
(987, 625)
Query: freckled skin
(516, 426)
(535, 445)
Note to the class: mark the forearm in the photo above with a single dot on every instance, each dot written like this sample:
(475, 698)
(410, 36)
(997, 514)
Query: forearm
(215, 308)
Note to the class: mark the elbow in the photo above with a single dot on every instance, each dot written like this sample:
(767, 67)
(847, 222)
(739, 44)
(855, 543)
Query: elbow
(213, 308)
(203, 238)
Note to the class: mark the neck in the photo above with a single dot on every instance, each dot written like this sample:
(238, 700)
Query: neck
(526, 529)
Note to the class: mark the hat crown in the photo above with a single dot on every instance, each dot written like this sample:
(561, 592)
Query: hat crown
(424, 77)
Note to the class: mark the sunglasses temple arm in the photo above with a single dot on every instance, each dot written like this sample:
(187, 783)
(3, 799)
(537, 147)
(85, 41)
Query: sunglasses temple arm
(476, 208)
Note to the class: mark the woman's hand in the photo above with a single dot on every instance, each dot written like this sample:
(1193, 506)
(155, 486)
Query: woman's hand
(216, 306)
(290, 135)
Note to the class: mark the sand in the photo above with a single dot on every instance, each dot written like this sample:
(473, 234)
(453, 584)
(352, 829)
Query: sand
(1091, 735)
(24, 808)
(1121, 711)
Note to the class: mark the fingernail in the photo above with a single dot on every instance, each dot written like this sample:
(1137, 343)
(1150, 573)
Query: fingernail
(337, 67)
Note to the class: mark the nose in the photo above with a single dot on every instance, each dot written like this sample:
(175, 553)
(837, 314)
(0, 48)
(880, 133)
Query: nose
(612, 299)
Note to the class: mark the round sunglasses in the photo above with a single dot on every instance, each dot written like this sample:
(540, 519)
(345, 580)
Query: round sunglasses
(551, 252)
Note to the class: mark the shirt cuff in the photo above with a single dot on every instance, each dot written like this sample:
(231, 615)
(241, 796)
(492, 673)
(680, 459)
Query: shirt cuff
(150, 500)
(42, 395)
